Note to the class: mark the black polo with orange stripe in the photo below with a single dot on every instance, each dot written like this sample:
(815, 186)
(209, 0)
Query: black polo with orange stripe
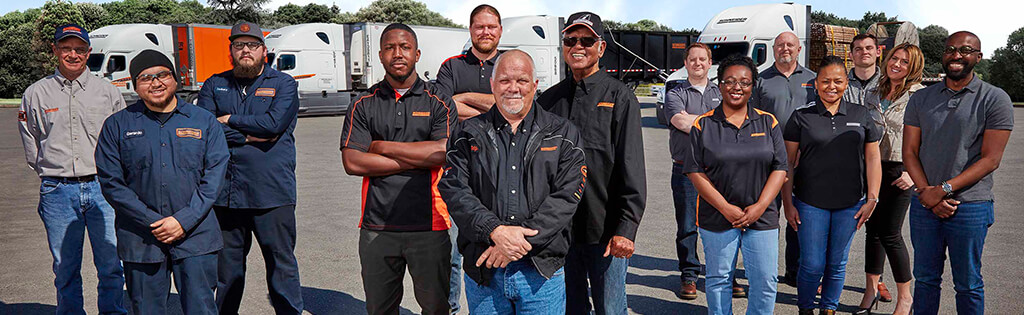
(738, 162)
(406, 201)
(465, 73)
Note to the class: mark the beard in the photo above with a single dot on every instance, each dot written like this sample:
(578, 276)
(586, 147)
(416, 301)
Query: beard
(485, 49)
(958, 75)
(241, 70)
(401, 77)
(786, 59)
(512, 107)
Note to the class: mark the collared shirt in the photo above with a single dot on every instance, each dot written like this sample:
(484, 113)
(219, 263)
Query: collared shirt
(511, 155)
(407, 201)
(60, 121)
(691, 100)
(780, 95)
(260, 175)
(465, 73)
(150, 170)
(738, 161)
(830, 173)
(858, 89)
(952, 124)
(608, 115)
(891, 145)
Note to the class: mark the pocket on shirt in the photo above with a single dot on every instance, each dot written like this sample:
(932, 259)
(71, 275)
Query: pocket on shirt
(188, 152)
(135, 155)
(598, 132)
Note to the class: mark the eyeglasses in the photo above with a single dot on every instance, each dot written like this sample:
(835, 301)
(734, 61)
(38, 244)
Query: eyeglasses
(585, 41)
(79, 50)
(148, 78)
(963, 50)
(251, 45)
(743, 84)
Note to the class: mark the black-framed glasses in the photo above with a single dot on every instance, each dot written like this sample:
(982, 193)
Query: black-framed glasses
(963, 50)
(585, 41)
(743, 84)
(251, 45)
(148, 78)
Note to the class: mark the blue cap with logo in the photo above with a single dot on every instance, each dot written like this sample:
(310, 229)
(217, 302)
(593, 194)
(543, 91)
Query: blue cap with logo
(75, 30)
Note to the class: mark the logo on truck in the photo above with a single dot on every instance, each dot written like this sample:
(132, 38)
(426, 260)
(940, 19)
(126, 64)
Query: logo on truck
(732, 20)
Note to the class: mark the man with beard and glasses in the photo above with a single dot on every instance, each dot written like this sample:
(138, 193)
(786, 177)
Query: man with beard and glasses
(59, 119)
(395, 137)
(257, 107)
(513, 178)
(467, 77)
(608, 115)
(954, 135)
(160, 163)
(780, 90)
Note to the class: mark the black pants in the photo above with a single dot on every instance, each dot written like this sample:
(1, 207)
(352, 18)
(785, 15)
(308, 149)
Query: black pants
(384, 257)
(149, 284)
(275, 233)
(792, 246)
(884, 229)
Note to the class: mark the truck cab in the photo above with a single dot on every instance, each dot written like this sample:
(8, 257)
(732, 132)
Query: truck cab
(540, 36)
(314, 54)
(114, 46)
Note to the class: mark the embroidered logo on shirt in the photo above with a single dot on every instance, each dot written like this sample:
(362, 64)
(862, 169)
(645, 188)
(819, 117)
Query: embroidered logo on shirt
(853, 124)
(265, 92)
(420, 114)
(189, 133)
(549, 148)
(51, 110)
(22, 116)
(606, 104)
(759, 134)
(474, 148)
(807, 85)
(133, 133)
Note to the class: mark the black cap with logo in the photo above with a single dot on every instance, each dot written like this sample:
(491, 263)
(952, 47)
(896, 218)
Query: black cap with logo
(587, 19)
(246, 29)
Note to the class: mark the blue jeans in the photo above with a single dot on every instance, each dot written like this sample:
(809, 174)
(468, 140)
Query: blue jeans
(825, 238)
(149, 284)
(606, 275)
(517, 289)
(963, 235)
(684, 196)
(761, 259)
(456, 280)
(69, 209)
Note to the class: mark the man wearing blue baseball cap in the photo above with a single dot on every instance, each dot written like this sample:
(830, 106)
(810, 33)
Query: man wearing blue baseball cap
(60, 119)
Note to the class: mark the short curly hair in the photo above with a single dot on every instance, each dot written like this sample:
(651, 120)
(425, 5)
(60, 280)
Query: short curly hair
(737, 60)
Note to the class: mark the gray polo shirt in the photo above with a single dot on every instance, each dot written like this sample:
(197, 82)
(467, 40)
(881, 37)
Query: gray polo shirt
(780, 95)
(60, 121)
(857, 91)
(687, 98)
(952, 124)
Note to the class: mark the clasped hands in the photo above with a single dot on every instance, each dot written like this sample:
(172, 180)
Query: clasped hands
(934, 198)
(509, 245)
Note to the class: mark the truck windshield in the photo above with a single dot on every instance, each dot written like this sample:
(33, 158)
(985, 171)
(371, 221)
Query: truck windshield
(95, 62)
(720, 51)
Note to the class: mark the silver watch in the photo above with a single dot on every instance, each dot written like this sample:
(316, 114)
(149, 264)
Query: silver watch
(947, 188)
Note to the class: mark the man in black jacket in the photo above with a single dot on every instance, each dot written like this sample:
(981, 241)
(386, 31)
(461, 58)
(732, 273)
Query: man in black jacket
(513, 178)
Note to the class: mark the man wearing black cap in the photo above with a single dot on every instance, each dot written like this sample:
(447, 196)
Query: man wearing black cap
(160, 163)
(59, 120)
(605, 224)
(257, 107)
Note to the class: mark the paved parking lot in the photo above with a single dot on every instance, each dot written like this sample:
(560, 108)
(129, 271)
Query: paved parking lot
(328, 213)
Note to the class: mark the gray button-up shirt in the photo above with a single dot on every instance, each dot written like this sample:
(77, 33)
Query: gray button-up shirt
(60, 121)
(781, 95)
(687, 98)
(857, 91)
(952, 124)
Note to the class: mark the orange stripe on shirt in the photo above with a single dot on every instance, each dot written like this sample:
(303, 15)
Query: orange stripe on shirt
(349, 136)
(362, 206)
(775, 122)
(447, 112)
(438, 209)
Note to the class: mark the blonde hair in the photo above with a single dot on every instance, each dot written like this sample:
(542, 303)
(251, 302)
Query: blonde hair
(914, 75)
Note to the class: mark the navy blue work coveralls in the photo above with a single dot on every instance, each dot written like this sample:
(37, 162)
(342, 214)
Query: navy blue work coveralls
(258, 196)
(150, 170)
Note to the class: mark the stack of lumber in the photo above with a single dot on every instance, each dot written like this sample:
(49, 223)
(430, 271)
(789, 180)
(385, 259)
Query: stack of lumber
(830, 40)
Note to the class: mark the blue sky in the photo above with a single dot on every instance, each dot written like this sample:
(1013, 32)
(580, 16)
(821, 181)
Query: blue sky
(992, 20)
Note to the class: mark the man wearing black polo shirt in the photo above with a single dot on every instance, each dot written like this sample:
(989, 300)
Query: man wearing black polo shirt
(608, 115)
(467, 77)
(395, 138)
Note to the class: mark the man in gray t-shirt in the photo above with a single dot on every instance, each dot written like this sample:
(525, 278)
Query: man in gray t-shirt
(953, 139)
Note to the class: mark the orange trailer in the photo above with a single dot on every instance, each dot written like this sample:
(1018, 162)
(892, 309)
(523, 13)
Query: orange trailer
(200, 51)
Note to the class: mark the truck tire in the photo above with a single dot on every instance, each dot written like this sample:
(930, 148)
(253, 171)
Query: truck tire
(192, 98)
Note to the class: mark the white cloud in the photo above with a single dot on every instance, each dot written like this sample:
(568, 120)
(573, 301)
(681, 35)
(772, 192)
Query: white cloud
(991, 20)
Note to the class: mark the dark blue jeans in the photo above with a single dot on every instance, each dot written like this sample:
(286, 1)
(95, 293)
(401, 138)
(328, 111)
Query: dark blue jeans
(149, 284)
(825, 238)
(684, 195)
(606, 275)
(517, 289)
(69, 209)
(963, 235)
(274, 229)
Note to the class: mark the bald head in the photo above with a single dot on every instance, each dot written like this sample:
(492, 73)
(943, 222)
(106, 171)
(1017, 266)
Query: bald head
(513, 84)
(786, 48)
(515, 56)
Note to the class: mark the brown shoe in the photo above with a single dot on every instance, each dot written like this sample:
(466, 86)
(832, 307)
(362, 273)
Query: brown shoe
(826, 312)
(688, 291)
(738, 291)
(883, 293)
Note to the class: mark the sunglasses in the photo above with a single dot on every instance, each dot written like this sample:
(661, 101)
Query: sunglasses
(251, 45)
(585, 41)
(963, 50)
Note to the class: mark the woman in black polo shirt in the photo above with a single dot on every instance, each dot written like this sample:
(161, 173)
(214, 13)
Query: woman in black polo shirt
(738, 164)
(827, 195)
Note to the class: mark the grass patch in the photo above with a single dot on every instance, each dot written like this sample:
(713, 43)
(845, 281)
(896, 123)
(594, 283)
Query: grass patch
(1018, 103)
(10, 101)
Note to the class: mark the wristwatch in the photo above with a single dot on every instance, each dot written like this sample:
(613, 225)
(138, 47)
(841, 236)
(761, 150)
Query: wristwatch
(947, 188)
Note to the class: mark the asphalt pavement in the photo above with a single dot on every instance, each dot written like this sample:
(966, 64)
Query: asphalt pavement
(328, 214)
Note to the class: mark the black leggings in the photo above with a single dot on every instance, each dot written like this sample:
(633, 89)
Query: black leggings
(884, 229)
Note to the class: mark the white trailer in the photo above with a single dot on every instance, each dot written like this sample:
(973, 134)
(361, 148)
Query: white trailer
(540, 36)
(114, 46)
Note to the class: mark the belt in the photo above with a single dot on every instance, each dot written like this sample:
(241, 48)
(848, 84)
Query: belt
(80, 179)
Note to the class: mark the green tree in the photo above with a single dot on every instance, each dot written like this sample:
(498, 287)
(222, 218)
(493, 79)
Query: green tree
(55, 13)
(157, 11)
(933, 41)
(95, 15)
(405, 11)
(1007, 71)
(234, 11)
(318, 13)
(21, 64)
(831, 19)
(288, 14)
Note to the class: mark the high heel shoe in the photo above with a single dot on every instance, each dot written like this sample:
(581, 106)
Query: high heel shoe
(867, 311)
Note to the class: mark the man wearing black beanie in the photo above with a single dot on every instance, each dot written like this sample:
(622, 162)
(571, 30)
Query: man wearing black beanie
(160, 164)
